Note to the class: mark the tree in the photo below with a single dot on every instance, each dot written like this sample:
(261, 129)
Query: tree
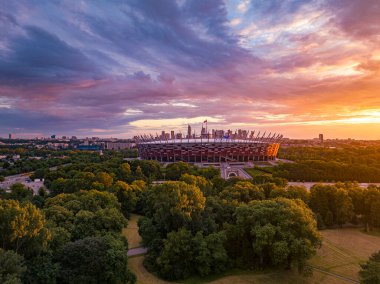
(357, 194)
(85, 213)
(300, 192)
(332, 204)
(2, 178)
(220, 211)
(125, 171)
(264, 236)
(204, 185)
(20, 192)
(95, 260)
(268, 187)
(139, 173)
(127, 196)
(91, 200)
(344, 210)
(22, 227)
(177, 257)
(105, 179)
(39, 173)
(184, 254)
(211, 256)
(372, 208)
(41, 269)
(57, 186)
(370, 271)
(174, 171)
(242, 192)
(150, 169)
(12, 267)
(89, 223)
(209, 172)
(174, 204)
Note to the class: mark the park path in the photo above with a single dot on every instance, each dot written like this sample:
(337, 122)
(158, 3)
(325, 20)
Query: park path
(137, 251)
(335, 275)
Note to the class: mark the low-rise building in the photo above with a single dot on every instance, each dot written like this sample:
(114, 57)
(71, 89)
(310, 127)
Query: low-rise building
(119, 145)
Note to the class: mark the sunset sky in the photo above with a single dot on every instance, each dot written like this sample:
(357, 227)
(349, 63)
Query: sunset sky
(118, 68)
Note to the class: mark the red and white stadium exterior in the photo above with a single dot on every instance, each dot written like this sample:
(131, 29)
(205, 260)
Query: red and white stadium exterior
(204, 150)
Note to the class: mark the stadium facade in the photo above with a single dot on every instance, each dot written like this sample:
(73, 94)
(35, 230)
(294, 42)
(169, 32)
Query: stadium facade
(207, 148)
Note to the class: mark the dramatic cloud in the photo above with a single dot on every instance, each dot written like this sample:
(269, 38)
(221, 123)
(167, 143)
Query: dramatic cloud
(117, 68)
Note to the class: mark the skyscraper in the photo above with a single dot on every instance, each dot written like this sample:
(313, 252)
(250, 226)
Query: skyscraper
(10, 136)
(321, 138)
(188, 131)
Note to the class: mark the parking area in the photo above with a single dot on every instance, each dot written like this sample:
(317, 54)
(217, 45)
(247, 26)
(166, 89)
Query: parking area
(23, 179)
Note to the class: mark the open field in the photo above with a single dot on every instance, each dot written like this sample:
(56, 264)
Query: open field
(132, 232)
(343, 250)
(341, 253)
(236, 277)
(135, 264)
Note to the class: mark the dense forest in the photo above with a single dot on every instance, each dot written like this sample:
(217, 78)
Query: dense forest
(194, 222)
(361, 164)
(47, 159)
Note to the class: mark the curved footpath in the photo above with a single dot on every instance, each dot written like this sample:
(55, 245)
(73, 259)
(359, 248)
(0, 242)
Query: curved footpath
(137, 251)
(335, 275)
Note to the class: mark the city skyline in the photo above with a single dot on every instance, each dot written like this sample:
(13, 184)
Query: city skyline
(93, 68)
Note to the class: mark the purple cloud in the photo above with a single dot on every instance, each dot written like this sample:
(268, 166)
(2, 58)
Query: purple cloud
(101, 67)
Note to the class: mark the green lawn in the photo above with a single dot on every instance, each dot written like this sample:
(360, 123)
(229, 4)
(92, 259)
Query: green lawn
(254, 172)
(132, 232)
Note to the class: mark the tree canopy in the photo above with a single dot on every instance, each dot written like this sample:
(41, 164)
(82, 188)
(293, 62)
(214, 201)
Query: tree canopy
(22, 227)
(370, 271)
(277, 233)
(95, 260)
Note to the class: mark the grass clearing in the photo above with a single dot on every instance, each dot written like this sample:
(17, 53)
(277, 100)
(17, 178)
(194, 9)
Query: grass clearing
(233, 276)
(343, 251)
(135, 264)
(270, 277)
(254, 172)
(132, 232)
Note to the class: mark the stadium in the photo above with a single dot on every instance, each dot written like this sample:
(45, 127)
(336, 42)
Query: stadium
(217, 147)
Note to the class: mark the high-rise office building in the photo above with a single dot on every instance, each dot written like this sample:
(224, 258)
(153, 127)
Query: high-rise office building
(321, 138)
(10, 136)
(189, 131)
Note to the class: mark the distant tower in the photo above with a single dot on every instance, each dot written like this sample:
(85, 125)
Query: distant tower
(321, 138)
(10, 135)
(188, 131)
(172, 136)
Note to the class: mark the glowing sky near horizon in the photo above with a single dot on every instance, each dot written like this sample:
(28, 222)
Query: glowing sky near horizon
(118, 68)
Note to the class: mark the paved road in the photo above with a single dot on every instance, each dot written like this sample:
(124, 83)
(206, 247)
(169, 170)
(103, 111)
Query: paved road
(226, 168)
(308, 185)
(137, 251)
(21, 178)
(243, 174)
(25, 180)
(223, 171)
